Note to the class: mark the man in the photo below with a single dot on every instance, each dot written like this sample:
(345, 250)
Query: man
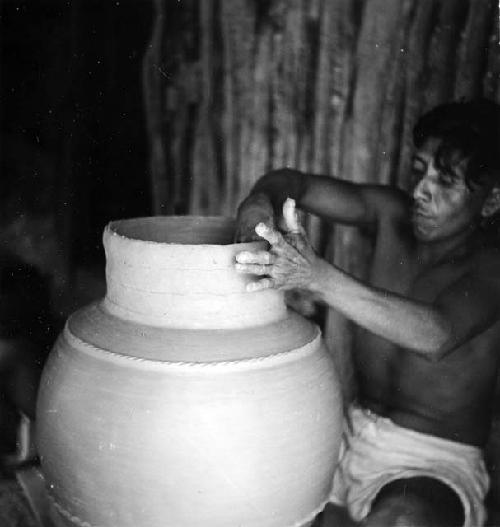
(427, 345)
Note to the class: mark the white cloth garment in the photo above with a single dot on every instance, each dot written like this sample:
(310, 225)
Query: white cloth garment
(376, 451)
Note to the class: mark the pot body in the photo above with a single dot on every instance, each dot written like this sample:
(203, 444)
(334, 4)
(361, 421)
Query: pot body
(182, 400)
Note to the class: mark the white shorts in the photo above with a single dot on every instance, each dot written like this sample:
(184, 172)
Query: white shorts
(376, 451)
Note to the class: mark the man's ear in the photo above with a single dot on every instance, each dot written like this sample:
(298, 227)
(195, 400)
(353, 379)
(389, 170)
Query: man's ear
(492, 203)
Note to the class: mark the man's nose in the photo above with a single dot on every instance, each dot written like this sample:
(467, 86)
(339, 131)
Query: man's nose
(423, 189)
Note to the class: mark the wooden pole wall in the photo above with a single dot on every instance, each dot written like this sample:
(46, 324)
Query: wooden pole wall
(333, 86)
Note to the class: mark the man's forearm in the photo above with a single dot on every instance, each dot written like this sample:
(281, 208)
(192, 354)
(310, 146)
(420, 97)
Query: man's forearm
(410, 324)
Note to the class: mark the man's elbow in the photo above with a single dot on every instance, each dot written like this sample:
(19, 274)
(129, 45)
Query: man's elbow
(440, 342)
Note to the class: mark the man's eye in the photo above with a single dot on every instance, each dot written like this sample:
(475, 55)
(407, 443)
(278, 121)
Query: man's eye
(416, 174)
(446, 179)
(417, 168)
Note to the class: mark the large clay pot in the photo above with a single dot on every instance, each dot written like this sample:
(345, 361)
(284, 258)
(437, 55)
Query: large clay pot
(183, 400)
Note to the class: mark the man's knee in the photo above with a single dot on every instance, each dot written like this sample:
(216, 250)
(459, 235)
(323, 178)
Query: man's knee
(419, 501)
(399, 511)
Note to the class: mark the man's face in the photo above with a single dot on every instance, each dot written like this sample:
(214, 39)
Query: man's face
(444, 206)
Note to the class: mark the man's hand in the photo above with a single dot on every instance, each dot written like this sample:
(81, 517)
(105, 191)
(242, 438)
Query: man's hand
(290, 262)
(253, 210)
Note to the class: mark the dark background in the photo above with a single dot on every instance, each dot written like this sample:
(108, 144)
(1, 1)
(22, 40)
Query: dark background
(72, 122)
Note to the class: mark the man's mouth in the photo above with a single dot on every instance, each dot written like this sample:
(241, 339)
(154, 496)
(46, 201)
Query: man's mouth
(421, 212)
(421, 219)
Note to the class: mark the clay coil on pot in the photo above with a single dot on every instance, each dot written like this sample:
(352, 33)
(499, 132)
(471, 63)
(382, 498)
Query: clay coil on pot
(182, 400)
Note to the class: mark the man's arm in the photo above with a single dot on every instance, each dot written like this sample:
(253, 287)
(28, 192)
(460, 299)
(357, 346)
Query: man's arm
(326, 196)
(463, 310)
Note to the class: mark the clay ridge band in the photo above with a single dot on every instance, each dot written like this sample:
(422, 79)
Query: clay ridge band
(82, 523)
(280, 357)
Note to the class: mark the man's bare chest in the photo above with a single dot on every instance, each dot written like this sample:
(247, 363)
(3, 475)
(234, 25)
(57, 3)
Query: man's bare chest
(396, 268)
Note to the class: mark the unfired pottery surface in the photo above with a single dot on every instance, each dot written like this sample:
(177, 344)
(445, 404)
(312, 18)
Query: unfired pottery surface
(158, 408)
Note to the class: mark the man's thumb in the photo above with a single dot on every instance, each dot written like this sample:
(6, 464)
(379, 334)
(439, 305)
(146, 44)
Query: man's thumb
(291, 217)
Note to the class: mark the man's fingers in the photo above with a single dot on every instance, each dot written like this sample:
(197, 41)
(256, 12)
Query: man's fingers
(264, 283)
(269, 234)
(258, 269)
(258, 257)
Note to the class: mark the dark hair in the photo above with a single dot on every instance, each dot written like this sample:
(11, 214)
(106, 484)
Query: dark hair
(468, 130)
